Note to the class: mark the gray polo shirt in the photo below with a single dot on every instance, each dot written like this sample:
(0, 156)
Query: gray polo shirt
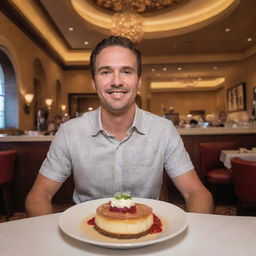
(102, 165)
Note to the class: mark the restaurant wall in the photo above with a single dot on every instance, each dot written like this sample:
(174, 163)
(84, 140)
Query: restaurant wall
(23, 53)
(76, 81)
(79, 81)
(239, 72)
(185, 101)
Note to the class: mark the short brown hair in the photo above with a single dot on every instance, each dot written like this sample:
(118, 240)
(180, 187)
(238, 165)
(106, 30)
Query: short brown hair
(114, 41)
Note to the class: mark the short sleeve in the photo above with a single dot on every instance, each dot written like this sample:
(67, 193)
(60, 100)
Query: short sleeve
(177, 160)
(57, 165)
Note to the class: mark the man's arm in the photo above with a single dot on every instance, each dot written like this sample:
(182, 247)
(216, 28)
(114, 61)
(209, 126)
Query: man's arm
(197, 197)
(38, 201)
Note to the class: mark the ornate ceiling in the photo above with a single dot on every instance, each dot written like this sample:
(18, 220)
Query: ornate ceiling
(140, 6)
(197, 31)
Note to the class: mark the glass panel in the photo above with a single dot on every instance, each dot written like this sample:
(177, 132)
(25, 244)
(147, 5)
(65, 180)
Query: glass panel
(1, 111)
(2, 123)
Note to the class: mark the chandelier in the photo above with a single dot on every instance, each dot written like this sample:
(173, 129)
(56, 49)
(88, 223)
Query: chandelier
(127, 23)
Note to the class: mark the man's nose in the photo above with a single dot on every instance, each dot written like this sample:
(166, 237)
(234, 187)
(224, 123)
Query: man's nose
(117, 80)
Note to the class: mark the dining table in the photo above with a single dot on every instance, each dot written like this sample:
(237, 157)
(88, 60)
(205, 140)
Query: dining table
(206, 234)
(227, 155)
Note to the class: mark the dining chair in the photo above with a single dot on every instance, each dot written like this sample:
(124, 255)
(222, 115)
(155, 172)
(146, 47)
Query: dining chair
(213, 171)
(7, 164)
(244, 182)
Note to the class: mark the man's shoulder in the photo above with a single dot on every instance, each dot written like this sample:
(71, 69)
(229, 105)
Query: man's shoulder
(79, 121)
(155, 119)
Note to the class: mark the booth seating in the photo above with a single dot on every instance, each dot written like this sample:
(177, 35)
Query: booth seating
(244, 181)
(7, 164)
(212, 169)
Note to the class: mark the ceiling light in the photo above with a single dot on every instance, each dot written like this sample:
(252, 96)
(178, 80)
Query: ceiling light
(188, 83)
(86, 42)
(153, 70)
(127, 23)
(71, 29)
(179, 68)
(249, 39)
(227, 29)
(164, 69)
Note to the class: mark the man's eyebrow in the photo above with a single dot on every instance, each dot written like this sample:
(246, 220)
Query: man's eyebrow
(103, 68)
(109, 67)
(128, 67)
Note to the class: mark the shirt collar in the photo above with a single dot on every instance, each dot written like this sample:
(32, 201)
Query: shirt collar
(96, 122)
(137, 122)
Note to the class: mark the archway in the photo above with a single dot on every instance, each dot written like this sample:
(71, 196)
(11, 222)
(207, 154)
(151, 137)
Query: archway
(10, 92)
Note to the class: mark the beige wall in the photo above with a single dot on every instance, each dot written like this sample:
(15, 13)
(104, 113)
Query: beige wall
(183, 102)
(23, 53)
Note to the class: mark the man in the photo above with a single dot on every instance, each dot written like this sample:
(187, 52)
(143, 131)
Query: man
(117, 147)
(222, 119)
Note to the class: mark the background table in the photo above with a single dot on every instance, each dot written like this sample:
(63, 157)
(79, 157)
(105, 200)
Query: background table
(227, 155)
(208, 235)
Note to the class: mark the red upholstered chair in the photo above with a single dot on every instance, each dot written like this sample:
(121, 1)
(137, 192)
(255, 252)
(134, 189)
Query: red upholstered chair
(7, 163)
(244, 182)
(212, 169)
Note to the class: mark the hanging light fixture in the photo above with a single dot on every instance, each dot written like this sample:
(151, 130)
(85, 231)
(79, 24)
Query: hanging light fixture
(127, 23)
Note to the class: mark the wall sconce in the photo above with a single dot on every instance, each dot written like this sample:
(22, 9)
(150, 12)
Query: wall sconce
(28, 99)
(63, 107)
(48, 103)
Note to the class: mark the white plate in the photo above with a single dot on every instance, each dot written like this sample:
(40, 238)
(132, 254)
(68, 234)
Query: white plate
(73, 223)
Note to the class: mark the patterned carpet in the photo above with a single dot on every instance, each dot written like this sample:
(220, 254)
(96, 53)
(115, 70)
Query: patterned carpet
(220, 210)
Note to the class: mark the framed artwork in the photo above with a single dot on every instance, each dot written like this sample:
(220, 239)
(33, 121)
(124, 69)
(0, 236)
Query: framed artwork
(236, 98)
(254, 93)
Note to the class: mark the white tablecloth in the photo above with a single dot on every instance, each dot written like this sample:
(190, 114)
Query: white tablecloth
(207, 235)
(227, 155)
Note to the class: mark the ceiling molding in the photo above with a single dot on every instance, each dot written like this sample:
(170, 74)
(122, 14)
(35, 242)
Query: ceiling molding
(189, 17)
(32, 20)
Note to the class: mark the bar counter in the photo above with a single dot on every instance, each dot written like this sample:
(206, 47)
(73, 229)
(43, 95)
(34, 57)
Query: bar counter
(32, 150)
(182, 132)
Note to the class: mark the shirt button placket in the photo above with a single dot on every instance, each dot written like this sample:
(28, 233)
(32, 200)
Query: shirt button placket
(118, 168)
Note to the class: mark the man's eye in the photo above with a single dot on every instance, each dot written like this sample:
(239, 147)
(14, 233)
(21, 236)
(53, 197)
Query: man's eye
(105, 72)
(127, 72)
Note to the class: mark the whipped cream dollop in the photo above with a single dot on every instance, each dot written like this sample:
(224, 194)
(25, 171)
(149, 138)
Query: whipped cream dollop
(122, 200)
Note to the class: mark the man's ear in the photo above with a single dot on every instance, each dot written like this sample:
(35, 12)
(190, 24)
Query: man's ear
(139, 82)
(93, 84)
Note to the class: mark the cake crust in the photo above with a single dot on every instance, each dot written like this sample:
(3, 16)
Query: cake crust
(120, 236)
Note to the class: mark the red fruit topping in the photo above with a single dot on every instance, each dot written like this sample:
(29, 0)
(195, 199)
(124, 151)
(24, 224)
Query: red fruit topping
(91, 221)
(123, 210)
(157, 226)
(157, 221)
(155, 229)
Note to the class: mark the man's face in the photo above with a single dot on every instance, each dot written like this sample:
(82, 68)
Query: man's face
(116, 80)
(223, 117)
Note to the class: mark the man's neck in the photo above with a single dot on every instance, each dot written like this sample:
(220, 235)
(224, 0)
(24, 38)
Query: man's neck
(118, 124)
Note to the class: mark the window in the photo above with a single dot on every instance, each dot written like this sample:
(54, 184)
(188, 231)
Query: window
(2, 99)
